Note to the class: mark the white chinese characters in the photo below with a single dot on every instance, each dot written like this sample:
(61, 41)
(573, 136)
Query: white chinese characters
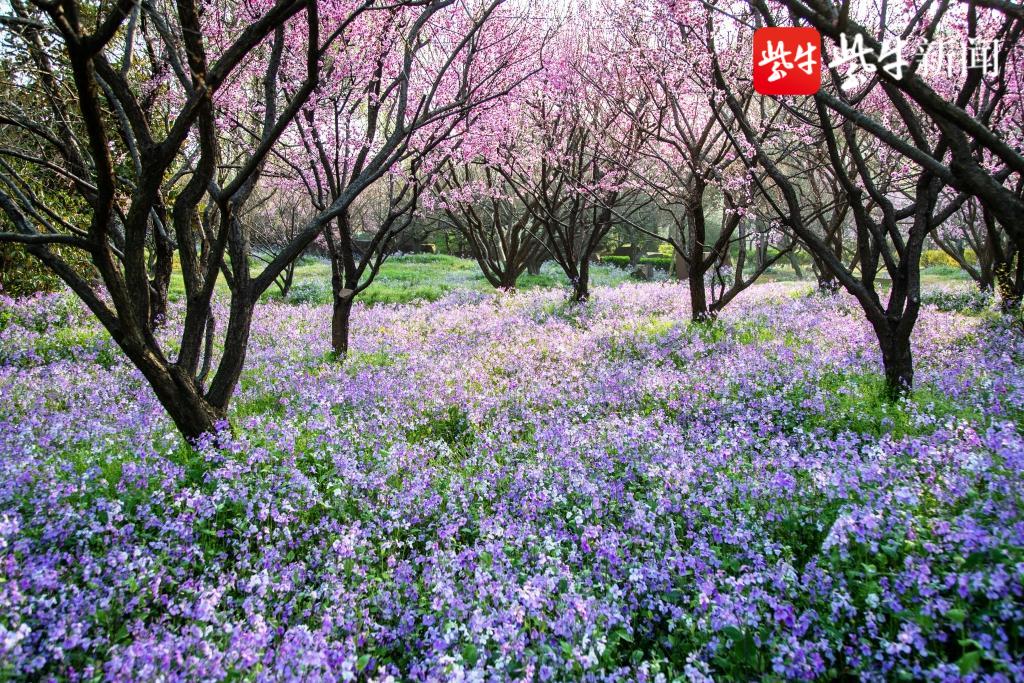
(933, 58)
(778, 57)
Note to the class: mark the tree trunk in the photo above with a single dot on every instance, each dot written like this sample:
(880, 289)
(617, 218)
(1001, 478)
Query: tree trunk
(795, 265)
(698, 297)
(1009, 280)
(581, 285)
(340, 316)
(508, 279)
(897, 362)
(828, 281)
(284, 283)
(160, 283)
(176, 390)
(192, 414)
(682, 268)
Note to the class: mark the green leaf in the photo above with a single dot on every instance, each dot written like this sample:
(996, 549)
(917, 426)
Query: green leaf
(956, 615)
(362, 662)
(969, 662)
(470, 655)
(733, 633)
(619, 633)
(748, 648)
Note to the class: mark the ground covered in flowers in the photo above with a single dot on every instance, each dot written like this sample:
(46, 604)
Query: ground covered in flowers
(504, 486)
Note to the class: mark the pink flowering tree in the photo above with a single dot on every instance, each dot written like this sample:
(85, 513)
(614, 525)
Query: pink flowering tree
(160, 122)
(565, 161)
(473, 199)
(389, 111)
(913, 54)
(686, 163)
(895, 202)
(979, 245)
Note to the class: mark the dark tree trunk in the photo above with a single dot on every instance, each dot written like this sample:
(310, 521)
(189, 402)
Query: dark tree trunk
(698, 297)
(581, 285)
(508, 279)
(698, 221)
(192, 414)
(828, 281)
(163, 266)
(897, 361)
(340, 317)
(176, 390)
(1010, 281)
(284, 283)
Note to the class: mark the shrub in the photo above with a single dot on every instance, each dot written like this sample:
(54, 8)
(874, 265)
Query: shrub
(971, 300)
(660, 262)
(618, 261)
(311, 292)
(385, 291)
(937, 257)
(22, 274)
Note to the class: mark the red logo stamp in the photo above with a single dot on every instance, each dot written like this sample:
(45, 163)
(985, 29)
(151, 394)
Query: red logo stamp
(787, 61)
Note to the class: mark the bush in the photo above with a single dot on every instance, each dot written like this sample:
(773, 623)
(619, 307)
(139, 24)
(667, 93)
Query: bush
(937, 257)
(617, 261)
(384, 291)
(660, 262)
(958, 300)
(311, 292)
(22, 274)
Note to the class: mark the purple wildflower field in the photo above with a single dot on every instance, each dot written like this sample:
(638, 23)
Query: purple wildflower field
(508, 486)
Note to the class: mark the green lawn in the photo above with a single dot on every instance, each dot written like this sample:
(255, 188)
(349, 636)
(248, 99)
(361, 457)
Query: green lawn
(429, 277)
(408, 278)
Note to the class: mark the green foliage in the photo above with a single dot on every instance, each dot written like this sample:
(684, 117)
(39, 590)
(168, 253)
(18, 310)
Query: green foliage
(22, 274)
(422, 277)
(451, 427)
(660, 262)
(316, 292)
(858, 402)
(666, 249)
(401, 294)
(617, 261)
(937, 257)
(357, 361)
(971, 300)
(539, 281)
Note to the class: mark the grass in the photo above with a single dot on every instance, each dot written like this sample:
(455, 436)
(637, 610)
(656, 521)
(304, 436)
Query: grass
(933, 275)
(403, 279)
(428, 277)
(857, 402)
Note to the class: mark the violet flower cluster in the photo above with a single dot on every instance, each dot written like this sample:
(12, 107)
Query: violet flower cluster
(495, 487)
